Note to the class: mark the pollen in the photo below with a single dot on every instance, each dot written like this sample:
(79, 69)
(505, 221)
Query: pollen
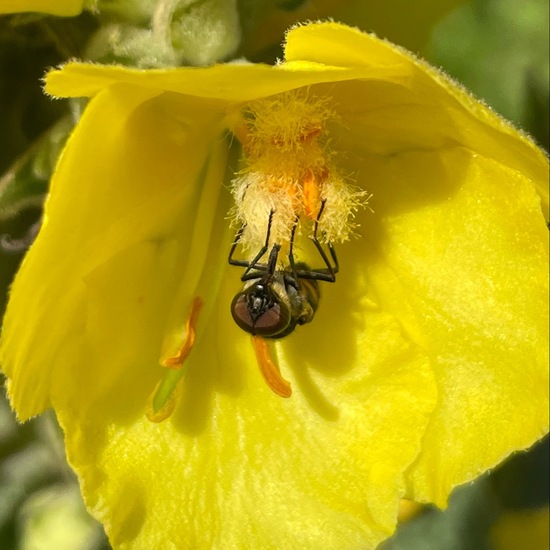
(289, 169)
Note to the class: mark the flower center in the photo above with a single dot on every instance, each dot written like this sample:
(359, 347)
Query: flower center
(290, 170)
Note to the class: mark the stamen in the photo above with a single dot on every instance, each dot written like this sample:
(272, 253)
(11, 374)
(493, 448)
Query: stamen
(176, 361)
(312, 195)
(269, 369)
(163, 399)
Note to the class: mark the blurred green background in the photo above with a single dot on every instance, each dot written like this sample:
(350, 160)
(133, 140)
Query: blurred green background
(496, 48)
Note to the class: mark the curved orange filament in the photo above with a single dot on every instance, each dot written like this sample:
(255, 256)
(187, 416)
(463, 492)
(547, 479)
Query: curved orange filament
(269, 369)
(176, 361)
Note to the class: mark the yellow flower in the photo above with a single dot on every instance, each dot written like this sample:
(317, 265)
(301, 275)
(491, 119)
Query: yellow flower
(425, 363)
(54, 7)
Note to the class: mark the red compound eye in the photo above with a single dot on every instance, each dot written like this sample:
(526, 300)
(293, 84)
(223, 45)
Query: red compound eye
(256, 310)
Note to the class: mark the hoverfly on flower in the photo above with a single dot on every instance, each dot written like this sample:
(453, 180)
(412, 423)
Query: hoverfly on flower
(291, 182)
(291, 179)
(275, 301)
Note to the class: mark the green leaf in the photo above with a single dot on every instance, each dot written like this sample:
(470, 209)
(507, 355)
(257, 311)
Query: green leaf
(25, 184)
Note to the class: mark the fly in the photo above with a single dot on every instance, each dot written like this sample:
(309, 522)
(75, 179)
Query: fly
(275, 301)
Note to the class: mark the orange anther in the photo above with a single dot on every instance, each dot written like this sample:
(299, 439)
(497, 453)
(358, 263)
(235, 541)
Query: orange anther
(176, 361)
(311, 194)
(269, 369)
(163, 400)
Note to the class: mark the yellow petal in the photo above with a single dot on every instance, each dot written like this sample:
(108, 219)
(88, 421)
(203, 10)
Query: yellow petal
(54, 7)
(462, 260)
(230, 438)
(423, 107)
(230, 84)
(457, 248)
(237, 465)
(125, 160)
